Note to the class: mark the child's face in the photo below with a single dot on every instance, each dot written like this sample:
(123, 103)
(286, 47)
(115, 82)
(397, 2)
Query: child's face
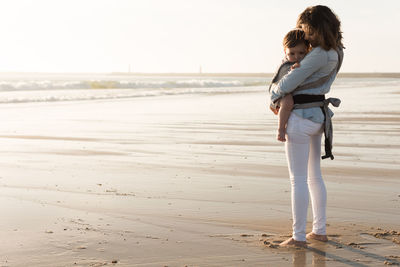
(297, 53)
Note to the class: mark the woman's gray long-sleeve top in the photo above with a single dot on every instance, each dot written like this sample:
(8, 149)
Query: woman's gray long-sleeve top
(316, 64)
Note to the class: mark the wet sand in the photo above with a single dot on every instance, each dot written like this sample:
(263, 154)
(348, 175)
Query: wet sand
(195, 180)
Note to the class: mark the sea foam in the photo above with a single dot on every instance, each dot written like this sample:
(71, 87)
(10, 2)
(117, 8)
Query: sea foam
(23, 88)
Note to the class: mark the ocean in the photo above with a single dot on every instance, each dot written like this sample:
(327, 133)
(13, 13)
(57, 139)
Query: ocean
(40, 87)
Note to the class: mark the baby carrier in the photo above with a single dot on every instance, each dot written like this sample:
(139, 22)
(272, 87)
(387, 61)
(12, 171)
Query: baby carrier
(302, 101)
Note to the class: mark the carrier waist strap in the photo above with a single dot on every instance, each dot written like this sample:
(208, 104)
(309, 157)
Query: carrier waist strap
(303, 99)
(323, 104)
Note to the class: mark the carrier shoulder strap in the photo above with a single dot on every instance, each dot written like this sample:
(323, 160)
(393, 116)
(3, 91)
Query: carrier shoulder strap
(324, 79)
(276, 75)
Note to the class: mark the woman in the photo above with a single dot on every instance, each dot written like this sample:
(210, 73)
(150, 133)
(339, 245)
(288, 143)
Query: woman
(305, 125)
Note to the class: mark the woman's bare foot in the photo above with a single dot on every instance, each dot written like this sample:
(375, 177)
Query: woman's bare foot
(293, 243)
(322, 238)
(281, 135)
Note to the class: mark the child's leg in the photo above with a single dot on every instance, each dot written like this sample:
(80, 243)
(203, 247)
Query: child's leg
(286, 106)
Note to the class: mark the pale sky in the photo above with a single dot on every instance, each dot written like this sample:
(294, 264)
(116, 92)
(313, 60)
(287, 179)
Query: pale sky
(182, 35)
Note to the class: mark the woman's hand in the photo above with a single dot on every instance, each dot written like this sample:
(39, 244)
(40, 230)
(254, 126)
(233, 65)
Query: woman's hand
(275, 110)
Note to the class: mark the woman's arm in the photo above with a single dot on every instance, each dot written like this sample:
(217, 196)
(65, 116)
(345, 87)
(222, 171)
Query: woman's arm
(313, 61)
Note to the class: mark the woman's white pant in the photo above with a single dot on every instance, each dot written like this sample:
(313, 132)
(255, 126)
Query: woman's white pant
(303, 152)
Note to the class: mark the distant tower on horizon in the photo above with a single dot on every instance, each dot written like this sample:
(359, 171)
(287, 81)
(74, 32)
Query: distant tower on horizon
(129, 68)
(200, 70)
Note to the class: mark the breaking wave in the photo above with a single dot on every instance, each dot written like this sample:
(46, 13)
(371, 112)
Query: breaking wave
(125, 84)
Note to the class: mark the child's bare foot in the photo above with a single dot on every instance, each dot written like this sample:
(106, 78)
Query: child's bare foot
(281, 135)
(322, 238)
(293, 243)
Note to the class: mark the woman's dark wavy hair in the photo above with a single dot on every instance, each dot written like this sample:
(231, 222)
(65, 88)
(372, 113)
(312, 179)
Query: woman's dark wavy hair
(321, 21)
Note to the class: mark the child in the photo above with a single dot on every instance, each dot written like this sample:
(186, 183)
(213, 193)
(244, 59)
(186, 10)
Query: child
(295, 47)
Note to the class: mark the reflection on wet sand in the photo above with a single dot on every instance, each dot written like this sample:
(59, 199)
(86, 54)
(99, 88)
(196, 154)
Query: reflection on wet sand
(300, 258)
(318, 254)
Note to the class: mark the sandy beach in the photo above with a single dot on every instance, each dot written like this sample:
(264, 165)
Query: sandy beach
(190, 180)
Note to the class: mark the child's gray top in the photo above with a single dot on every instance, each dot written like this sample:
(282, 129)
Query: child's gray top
(315, 65)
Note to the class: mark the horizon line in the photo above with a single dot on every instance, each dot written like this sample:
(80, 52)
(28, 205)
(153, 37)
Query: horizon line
(211, 74)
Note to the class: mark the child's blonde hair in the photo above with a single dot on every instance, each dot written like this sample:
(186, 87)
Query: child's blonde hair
(294, 38)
